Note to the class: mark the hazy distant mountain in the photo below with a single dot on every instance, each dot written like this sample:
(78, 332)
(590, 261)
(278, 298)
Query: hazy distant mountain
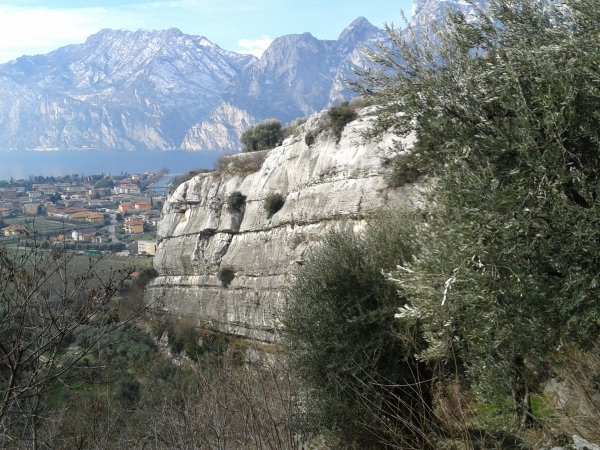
(119, 90)
(296, 73)
(164, 90)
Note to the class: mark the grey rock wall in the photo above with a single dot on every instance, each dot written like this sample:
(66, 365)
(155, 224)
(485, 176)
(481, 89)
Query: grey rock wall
(326, 185)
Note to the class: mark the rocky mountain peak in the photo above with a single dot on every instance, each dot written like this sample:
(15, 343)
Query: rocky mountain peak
(286, 49)
(359, 29)
(427, 12)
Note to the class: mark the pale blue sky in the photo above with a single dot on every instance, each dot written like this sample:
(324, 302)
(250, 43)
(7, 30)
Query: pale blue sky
(39, 26)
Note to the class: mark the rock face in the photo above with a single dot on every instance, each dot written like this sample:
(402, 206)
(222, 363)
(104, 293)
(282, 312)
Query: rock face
(221, 130)
(326, 186)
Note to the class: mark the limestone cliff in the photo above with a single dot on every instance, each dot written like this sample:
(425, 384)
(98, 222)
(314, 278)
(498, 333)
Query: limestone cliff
(325, 185)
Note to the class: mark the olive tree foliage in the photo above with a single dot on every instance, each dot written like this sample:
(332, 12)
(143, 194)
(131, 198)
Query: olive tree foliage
(47, 298)
(263, 136)
(506, 109)
(352, 358)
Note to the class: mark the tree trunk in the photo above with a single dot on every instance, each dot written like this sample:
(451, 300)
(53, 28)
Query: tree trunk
(522, 397)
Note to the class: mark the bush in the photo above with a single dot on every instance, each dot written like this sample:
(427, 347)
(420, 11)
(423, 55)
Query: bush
(404, 170)
(186, 177)
(127, 390)
(226, 275)
(236, 201)
(241, 164)
(309, 138)
(292, 127)
(273, 203)
(511, 235)
(339, 117)
(342, 339)
(264, 136)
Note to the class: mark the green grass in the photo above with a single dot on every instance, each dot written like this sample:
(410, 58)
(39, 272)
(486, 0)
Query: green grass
(541, 407)
(106, 263)
(40, 223)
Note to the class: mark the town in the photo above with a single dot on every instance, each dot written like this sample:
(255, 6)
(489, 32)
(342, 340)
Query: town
(96, 214)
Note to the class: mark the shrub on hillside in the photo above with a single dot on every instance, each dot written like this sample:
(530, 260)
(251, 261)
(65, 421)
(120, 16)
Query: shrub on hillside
(186, 177)
(273, 203)
(241, 164)
(236, 201)
(404, 169)
(339, 117)
(264, 136)
(310, 137)
(226, 275)
(127, 390)
(292, 127)
(355, 361)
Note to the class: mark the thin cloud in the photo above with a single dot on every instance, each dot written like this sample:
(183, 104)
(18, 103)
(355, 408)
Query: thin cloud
(29, 27)
(38, 30)
(254, 47)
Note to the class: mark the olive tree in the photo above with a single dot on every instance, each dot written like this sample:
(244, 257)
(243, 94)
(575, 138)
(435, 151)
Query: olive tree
(505, 106)
(354, 361)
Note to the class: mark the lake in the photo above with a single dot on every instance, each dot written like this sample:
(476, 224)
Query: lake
(20, 165)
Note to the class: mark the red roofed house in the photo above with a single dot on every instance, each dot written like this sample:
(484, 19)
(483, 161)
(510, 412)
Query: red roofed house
(125, 207)
(143, 206)
(134, 225)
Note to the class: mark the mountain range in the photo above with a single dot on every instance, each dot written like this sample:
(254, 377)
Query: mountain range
(165, 90)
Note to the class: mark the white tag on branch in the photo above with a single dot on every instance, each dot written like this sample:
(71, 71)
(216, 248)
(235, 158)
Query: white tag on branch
(448, 285)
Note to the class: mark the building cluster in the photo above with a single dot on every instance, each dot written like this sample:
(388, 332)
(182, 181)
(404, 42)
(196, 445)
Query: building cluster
(82, 206)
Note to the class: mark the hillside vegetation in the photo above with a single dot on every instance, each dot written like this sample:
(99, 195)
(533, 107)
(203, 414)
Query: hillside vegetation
(504, 274)
(470, 323)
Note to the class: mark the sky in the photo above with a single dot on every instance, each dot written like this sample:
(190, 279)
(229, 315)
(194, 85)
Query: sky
(247, 26)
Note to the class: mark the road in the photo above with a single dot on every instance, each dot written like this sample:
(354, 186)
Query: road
(111, 228)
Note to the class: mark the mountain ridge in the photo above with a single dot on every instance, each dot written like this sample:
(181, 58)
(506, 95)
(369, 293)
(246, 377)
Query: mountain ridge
(166, 90)
(149, 90)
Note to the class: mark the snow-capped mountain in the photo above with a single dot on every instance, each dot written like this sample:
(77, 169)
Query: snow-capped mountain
(164, 90)
(428, 12)
(120, 90)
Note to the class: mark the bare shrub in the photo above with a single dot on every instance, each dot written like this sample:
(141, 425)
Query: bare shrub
(576, 393)
(247, 407)
(292, 128)
(242, 164)
(359, 103)
(188, 176)
(56, 312)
